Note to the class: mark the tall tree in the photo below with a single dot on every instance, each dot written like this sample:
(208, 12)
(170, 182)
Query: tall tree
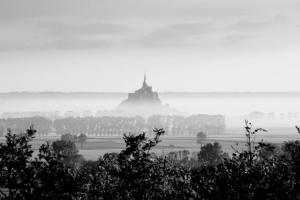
(15, 165)
(68, 151)
(82, 139)
(211, 154)
(69, 137)
(201, 138)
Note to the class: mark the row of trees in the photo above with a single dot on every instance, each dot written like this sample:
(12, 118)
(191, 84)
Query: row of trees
(174, 125)
(109, 126)
(191, 125)
(99, 125)
(19, 125)
(259, 172)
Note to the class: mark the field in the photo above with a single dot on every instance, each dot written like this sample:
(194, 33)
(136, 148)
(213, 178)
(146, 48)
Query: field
(95, 147)
(98, 146)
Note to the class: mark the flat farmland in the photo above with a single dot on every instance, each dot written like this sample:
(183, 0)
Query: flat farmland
(233, 138)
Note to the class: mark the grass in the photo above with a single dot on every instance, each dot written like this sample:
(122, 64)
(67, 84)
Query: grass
(98, 146)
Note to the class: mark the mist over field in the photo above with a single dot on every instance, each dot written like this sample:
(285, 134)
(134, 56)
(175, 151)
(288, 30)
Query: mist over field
(267, 109)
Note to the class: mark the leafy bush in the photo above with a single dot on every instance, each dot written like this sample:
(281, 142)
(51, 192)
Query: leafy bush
(262, 171)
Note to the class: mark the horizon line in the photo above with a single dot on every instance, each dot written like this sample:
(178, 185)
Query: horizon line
(118, 92)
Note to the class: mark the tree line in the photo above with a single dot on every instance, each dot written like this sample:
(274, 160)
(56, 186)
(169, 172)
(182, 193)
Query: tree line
(260, 171)
(117, 126)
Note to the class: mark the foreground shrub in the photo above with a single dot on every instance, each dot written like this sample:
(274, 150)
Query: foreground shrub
(259, 172)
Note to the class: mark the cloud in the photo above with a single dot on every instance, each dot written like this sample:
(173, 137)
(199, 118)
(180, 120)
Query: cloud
(248, 25)
(54, 44)
(61, 35)
(80, 35)
(234, 39)
(76, 43)
(192, 28)
(217, 33)
(62, 28)
(122, 9)
(139, 23)
(175, 35)
(257, 32)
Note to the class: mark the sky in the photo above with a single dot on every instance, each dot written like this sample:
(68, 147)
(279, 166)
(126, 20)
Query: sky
(182, 45)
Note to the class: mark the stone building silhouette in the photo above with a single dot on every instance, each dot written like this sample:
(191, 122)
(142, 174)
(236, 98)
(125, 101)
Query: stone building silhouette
(144, 95)
(144, 102)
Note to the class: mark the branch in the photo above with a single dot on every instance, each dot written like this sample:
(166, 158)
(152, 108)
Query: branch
(235, 150)
(3, 194)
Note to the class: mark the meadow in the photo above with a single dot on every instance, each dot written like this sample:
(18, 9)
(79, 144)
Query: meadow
(233, 138)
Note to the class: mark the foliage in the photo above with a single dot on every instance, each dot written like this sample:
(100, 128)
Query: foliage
(15, 167)
(69, 138)
(201, 138)
(82, 139)
(262, 171)
(55, 180)
(20, 125)
(211, 154)
(68, 150)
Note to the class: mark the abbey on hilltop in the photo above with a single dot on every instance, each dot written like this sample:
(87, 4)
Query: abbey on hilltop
(144, 102)
(143, 95)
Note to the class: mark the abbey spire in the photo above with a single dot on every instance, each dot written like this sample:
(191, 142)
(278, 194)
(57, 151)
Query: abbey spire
(144, 83)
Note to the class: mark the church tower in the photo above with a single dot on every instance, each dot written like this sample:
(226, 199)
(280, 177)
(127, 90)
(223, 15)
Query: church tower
(144, 83)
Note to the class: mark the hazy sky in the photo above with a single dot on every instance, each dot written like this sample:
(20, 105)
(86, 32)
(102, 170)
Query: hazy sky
(183, 45)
